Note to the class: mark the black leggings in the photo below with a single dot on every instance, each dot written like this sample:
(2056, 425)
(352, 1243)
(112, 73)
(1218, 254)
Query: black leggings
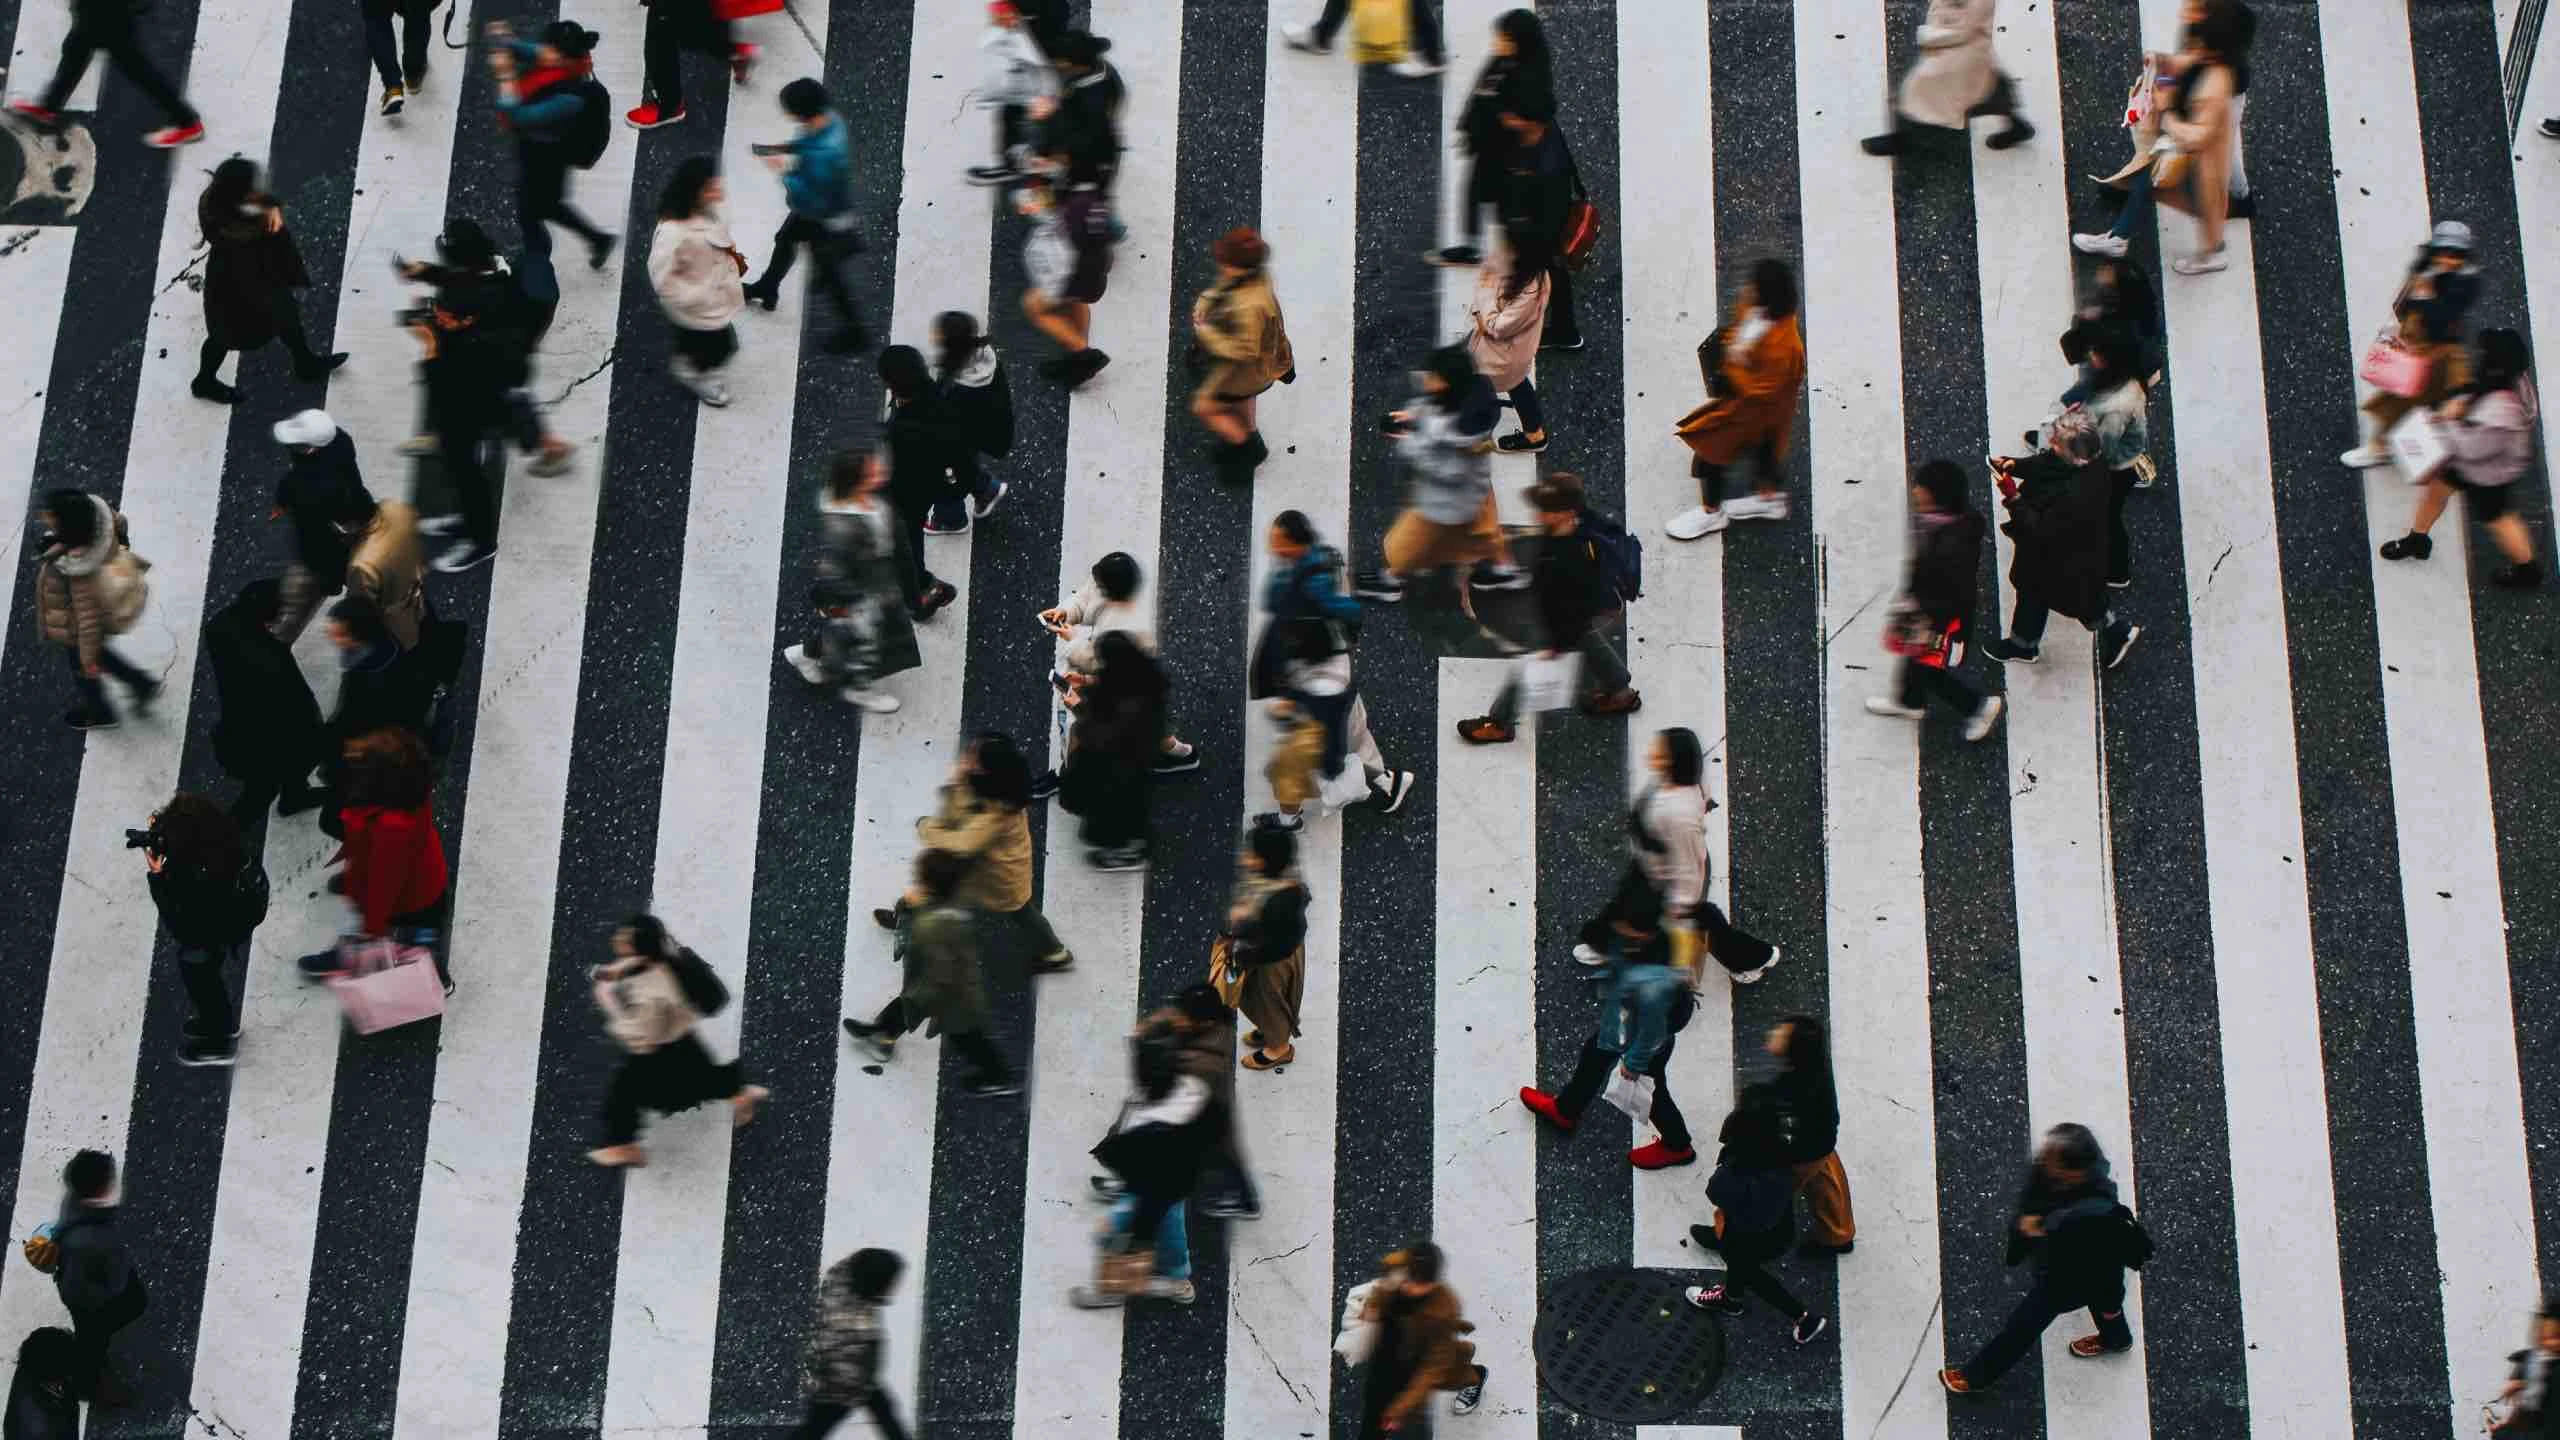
(827, 252)
(288, 329)
(822, 1417)
(123, 52)
(1746, 1269)
(675, 26)
(403, 61)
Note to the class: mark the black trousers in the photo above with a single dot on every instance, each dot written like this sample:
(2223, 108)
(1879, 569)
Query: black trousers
(1711, 477)
(828, 251)
(674, 27)
(1562, 326)
(973, 1045)
(200, 970)
(93, 688)
(1426, 27)
(1747, 1258)
(2035, 1310)
(822, 1417)
(2119, 542)
(542, 199)
(259, 792)
(1592, 1071)
(1919, 684)
(406, 62)
(289, 329)
(467, 448)
(671, 1077)
(94, 1330)
(1484, 187)
(123, 51)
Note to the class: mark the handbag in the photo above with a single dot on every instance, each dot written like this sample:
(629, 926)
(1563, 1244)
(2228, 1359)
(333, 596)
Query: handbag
(122, 590)
(1547, 682)
(2393, 367)
(1359, 1337)
(1633, 1095)
(1225, 976)
(386, 984)
(1345, 787)
(1379, 31)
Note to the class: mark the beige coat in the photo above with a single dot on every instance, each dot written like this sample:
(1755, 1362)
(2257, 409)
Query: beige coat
(1506, 334)
(643, 1004)
(998, 837)
(1240, 328)
(389, 568)
(1956, 70)
(2208, 135)
(694, 267)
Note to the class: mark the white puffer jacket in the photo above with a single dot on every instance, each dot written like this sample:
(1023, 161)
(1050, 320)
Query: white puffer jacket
(690, 268)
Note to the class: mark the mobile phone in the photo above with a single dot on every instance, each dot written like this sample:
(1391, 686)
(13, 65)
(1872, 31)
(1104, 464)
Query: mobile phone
(1058, 681)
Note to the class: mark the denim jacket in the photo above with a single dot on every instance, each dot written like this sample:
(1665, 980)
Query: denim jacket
(1640, 1008)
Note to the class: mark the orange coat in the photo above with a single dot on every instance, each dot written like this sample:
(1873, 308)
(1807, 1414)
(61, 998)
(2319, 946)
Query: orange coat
(1756, 403)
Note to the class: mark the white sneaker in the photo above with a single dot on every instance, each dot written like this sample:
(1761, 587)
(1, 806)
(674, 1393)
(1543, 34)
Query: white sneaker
(1585, 955)
(2203, 262)
(1165, 1287)
(1753, 977)
(2365, 457)
(1414, 67)
(799, 658)
(440, 524)
(2101, 243)
(1303, 37)
(1985, 718)
(1757, 507)
(705, 386)
(878, 702)
(1893, 709)
(1695, 523)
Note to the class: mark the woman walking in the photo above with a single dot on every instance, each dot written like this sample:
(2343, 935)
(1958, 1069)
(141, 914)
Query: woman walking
(2063, 506)
(649, 1011)
(1165, 1134)
(1506, 319)
(396, 873)
(2194, 108)
(1809, 1103)
(251, 270)
(1754, 370)
(211, 893)
(1518, 71)
(861, 594)
(1926, 624)
(1112, 747)
(940, 989)
(975, 397)
(1264, 949)
(984, 819)
(1242, 349)
(1754, 1218)
(2489, 427)
(90, 589)
(1667, 850)
(694, 267)
(842, 1370)
(2428, 311)
(1443, 436)
(267, 733)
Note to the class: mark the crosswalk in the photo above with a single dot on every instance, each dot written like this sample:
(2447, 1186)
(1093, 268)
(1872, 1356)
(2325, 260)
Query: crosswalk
(2269, 907)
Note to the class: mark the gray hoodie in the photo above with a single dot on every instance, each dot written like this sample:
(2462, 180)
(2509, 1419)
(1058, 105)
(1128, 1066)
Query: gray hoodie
(1450, 454)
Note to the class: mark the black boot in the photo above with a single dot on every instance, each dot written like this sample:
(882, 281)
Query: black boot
(1890, 142)
(1259, 451)
(1234, 463)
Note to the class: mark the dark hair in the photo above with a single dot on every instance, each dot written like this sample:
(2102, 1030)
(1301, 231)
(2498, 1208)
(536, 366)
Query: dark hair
(1117, 574)
(388, 767)
(1688, 758)
(2074, 1147)
(1945, 483)
(234, 181)
(361, 617)
(1528, 39)
(1081, 48)
(90, 1174)
(1421, 1263)
(1535, 105)
(1200, 1005)
(940, 872)
(649, 936)
(1773, 285)
(1457, 369)
(682, 196)
(75, 518)
(1155, 1060)
(465, 246)
(2225, 28)
(902, 370)
(844, 473)
(1753, 1130)
(200, 835)
(999, 774)
(804, 99)
(1557, 493)
(49, 1353)
(1295, 525)
(956, 333)
(1277, 849)
(871, 1271)
(2503, 360)
(1808, 1046)
(570, 38)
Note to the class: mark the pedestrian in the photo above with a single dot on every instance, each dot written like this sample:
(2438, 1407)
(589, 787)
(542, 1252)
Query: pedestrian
(1418, 1349)
(1114, 746)
(1313, 711)
(694, 267)
(108, 25)
(1107, 604)
(841, 1372)
(1667, 849)
(2081, 1242)
(977, 395)
(2121, 308)
(1079, 136)
(1809, 1108)
(2488, 427)
(2062, 505)
(817, 187)
(1445, 438)
(1156, 1149)
(940, 990)
(2532, 1405)
(402, 65)
(1577, 603)
(1956, 79)
(862, 594)
(531, 300)
(1539, 185)
(322, 485)
(267, 733)
(674, 28)
(1015, 74)
(649, 1011)
(1423, 56)
(2117, 373)
(90, 588)
(382, 686)
(475, 334)
(2426, 315)
(2191, 108)
(211, 893)
(395, 874)
(924, 441)
(1067, 261)
(1517, 68)
(1308, 585)
(1505, 318)
(94, 1274)
(1202, 1028)
(1927, 622)
(1754, 372)
(44, 1401)
(1241, 348)
(1754, 1218)
(1261, 951)
(387, 566)
(251, 270)
(549, 97)
(1632, 930)
(984, 818)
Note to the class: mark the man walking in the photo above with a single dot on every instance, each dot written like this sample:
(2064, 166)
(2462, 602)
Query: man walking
(2081, 1241)
(1956, 79)
(108, 25)
(817, 185)
(92, 1270)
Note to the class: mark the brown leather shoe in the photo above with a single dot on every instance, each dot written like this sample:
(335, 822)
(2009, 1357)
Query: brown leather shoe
(1616, 702)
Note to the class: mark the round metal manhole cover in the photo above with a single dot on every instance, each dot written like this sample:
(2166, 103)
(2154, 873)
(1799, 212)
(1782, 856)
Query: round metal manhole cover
(1621, 1345)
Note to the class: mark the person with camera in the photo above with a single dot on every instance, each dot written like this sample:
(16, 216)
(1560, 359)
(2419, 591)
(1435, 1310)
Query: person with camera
(211, 893)
(396, 874)
(89, 589)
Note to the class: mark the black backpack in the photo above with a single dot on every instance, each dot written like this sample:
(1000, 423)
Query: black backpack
(2133, 1242)
(1621, 554)
(704, 990)
(591, 127)
(250, 894)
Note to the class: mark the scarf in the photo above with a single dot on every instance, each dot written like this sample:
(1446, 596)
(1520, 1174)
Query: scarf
(544, 77)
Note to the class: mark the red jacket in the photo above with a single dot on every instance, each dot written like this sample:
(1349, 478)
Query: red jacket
(395, 862)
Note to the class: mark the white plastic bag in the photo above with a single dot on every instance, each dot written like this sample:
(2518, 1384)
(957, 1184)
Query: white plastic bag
(1359, 1336)
(1547, 682)
(1345, 787)
(1633, 1095)
(2418, 445)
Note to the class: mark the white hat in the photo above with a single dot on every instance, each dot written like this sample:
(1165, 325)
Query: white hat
(2450, 235)
(311, 427)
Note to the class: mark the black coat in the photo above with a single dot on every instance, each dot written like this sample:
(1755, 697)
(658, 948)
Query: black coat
(1537, 190)
(1811, 1104)
(95, 1274)
(318, 489)
(1758, 1201)
(2078, 1259)
(250, 273)
(1505, 83)
(2059, 521)
(40, 1408)
(201, 911)
(1946, 568)
(925, 442)
(1086, 126)
(1572, 587)
(268, 724)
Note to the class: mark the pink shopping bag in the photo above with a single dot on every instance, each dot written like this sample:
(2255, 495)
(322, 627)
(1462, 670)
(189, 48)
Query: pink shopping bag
(386, 984)
(2393, 367)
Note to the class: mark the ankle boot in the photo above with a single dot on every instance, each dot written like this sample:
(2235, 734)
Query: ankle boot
(1254, 448)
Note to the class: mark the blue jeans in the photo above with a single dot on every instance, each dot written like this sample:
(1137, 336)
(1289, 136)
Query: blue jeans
(1173, 1235)
(1635, 1016)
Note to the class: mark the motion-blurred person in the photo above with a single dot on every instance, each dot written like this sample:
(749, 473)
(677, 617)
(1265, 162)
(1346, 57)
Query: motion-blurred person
(977, 395)
(1517, 69)
(1418, 1350)
(251, 270)
(549, 98)
(649, 1011)
(1241, 349)
(1754, 1218)
(674, 28)
(1066, 261)
(841, 1372)
(941, 991)
(267, 732)
(1577, 602)
(694, 267)
(1014, 75)
(984, 819)
(90, 589)
(817, 186)
(1956, 79)
(2489, 427)
(1927, 622)
(1754, 371)
(2081, 1242)
(108, 25)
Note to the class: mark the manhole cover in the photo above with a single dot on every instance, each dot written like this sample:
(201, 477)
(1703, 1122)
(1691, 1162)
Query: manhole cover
(1622, 1345)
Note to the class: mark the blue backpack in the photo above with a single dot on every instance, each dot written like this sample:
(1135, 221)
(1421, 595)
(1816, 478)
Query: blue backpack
(1620, 552)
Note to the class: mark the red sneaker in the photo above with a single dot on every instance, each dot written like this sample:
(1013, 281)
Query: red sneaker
(30, 110)
(1543, 1105)
(650, 117)
(742, 58)
(172, 136)
(1658, 1156)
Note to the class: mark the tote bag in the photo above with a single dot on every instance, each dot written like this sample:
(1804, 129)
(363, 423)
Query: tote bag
(2392, 367)
(1547, 681)
(2418, 445)
(386, 984)
(1379, 31)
